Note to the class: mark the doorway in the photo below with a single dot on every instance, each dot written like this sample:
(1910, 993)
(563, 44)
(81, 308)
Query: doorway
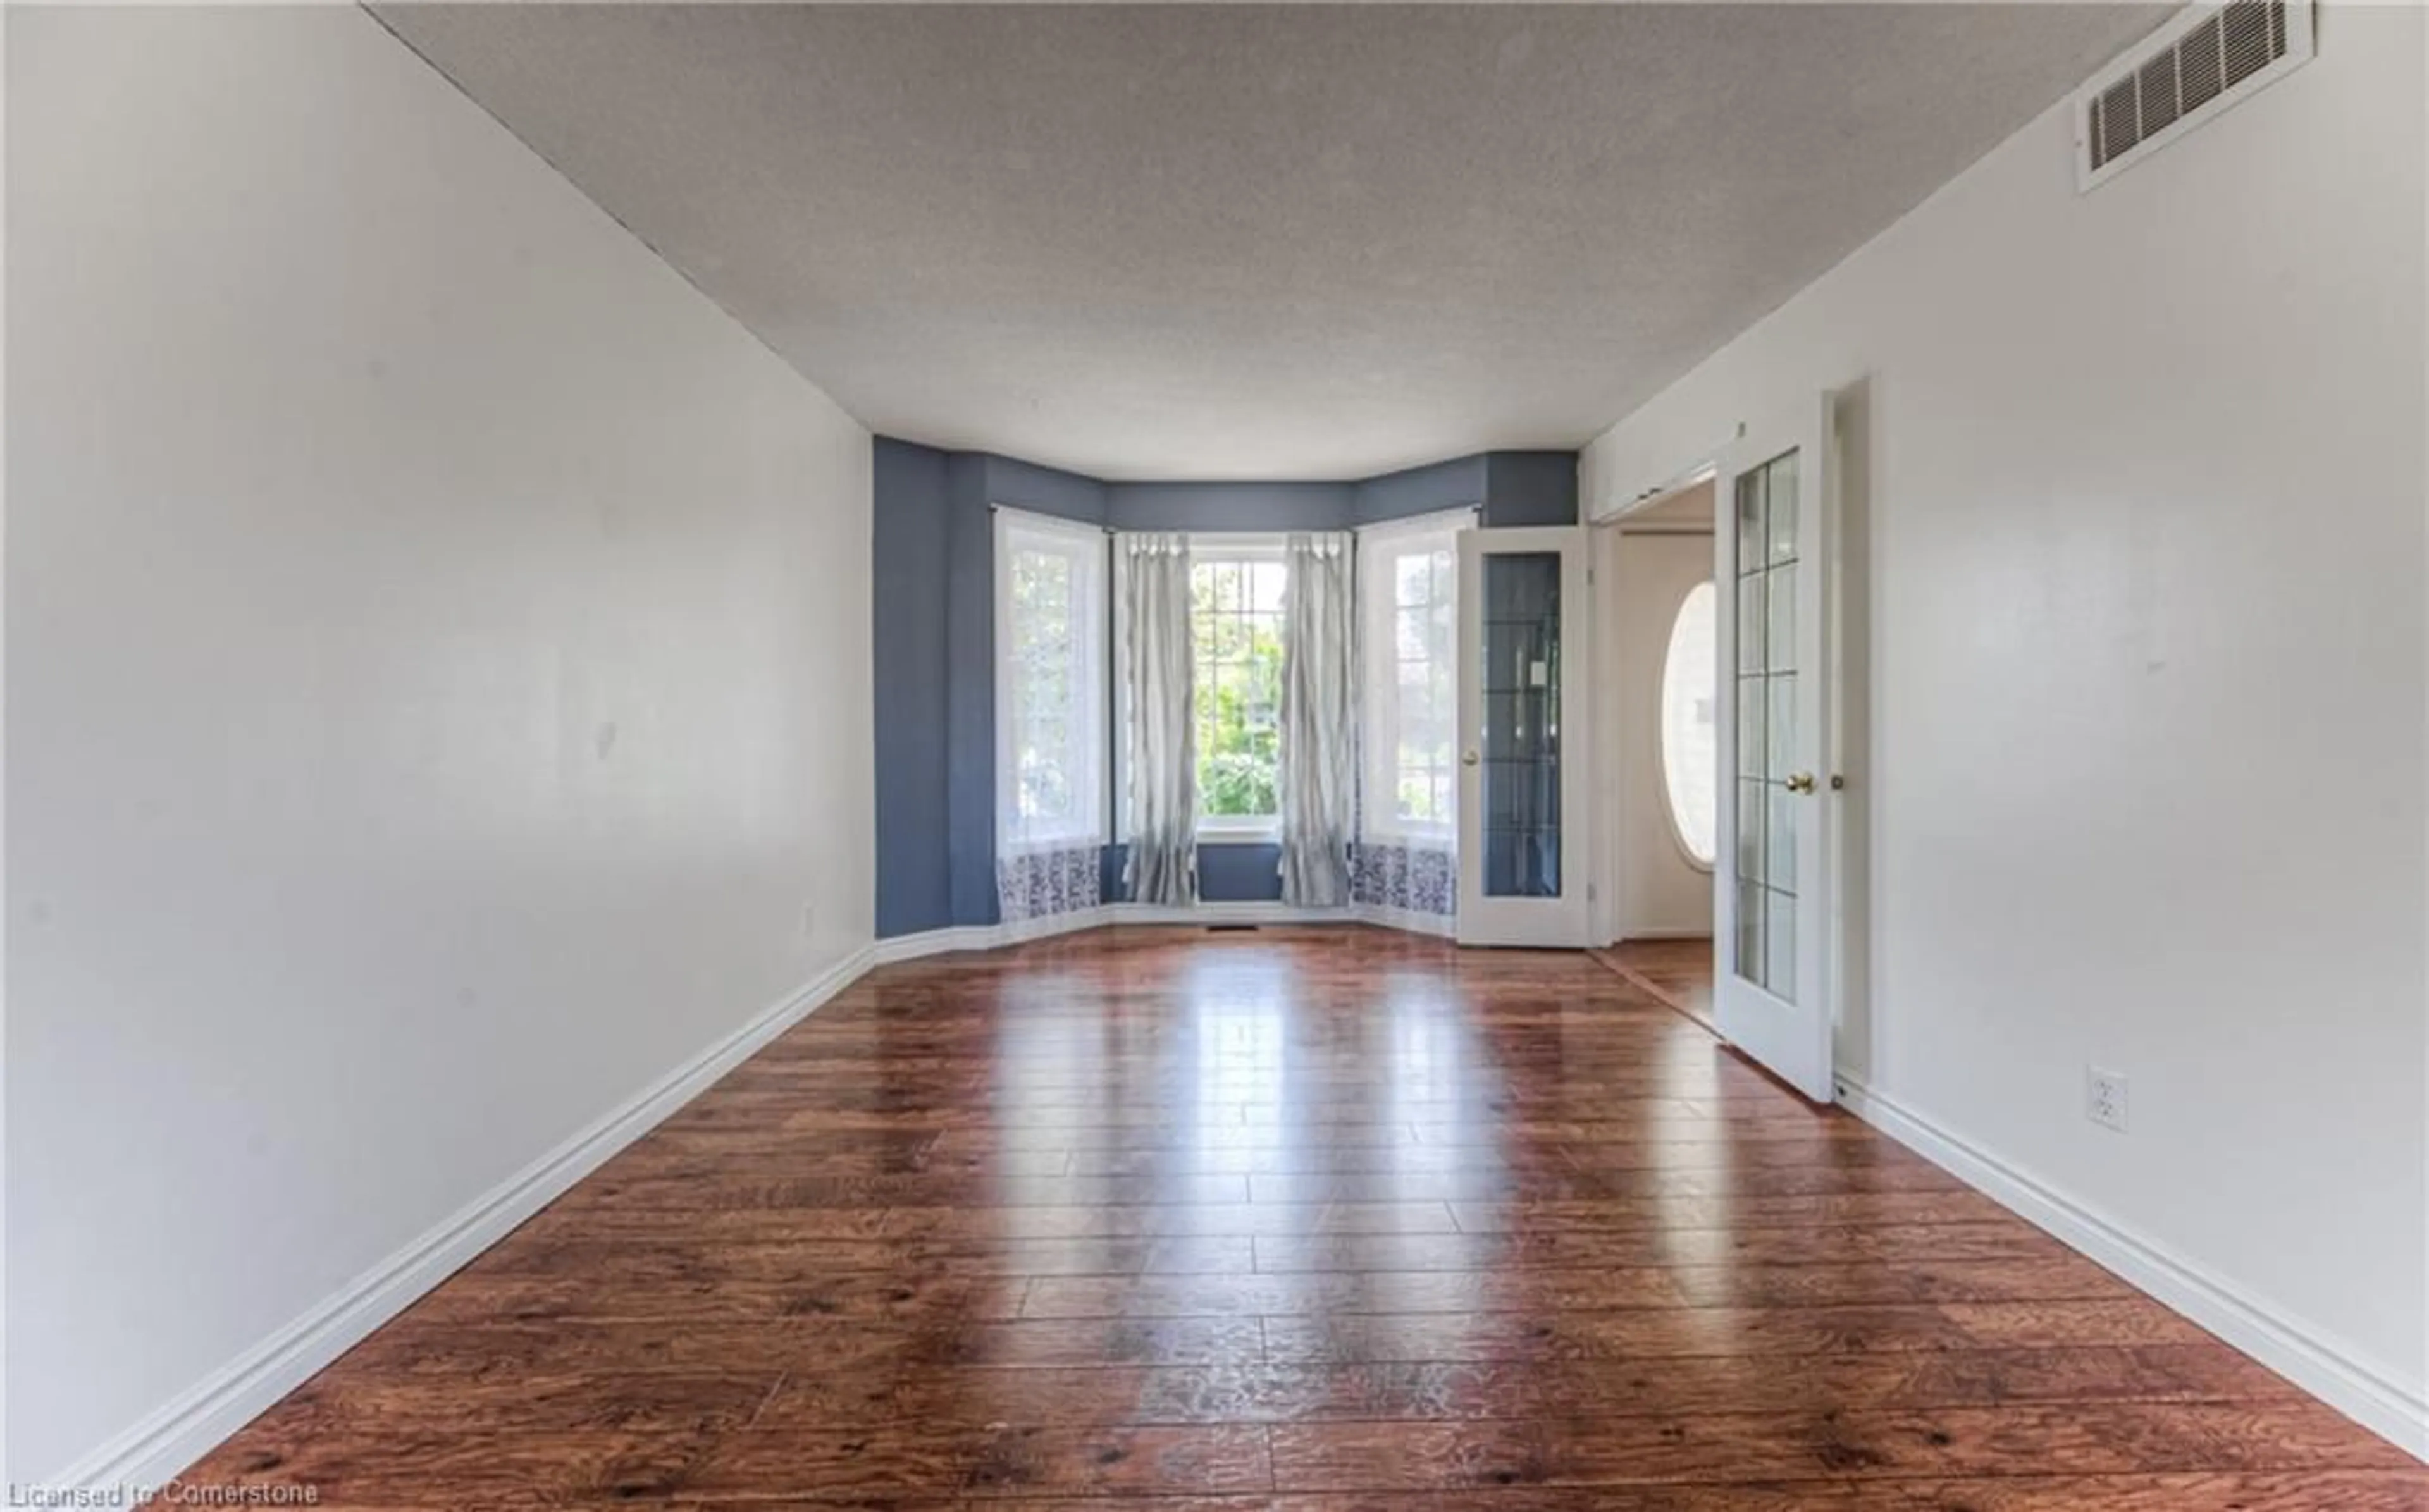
(1741, 741)
(1658, 728)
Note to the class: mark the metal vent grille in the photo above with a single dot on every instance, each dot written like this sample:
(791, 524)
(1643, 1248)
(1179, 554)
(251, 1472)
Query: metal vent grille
(2157, 84)
(2213, 58)
(2199, 65)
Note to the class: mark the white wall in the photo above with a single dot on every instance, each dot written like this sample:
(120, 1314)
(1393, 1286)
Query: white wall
(438, 676)
(1658, 893)
(2146, 656)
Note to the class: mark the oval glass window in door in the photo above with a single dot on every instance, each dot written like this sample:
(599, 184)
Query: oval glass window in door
(1689, 731)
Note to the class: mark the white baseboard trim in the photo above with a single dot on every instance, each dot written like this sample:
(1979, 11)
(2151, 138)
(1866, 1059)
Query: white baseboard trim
(2369, 1395)
(985, 936)
(1203, 914)
(996, 936)
(1054, 923)
(944, 942)
(165, 1442)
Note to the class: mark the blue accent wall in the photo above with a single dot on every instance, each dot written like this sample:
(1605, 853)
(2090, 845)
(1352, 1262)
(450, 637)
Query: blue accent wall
(1512, 489)
(1529, 488)
(908, 584)
(1042, 491)
(1231, 506)
(1458, 484)
(934, 577)
(969, 699)
(1239, 871)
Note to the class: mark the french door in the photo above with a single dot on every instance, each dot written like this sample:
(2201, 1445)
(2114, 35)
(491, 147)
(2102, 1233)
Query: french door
(1524, 856)
(1773, 878)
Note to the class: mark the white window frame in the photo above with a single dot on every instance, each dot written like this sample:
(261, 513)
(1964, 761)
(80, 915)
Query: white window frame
(1086, 546)
(1378, 767)
(1205, 548)
(1661, 733)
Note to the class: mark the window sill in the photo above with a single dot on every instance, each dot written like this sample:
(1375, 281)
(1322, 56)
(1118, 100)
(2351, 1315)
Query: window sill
(1240, 835)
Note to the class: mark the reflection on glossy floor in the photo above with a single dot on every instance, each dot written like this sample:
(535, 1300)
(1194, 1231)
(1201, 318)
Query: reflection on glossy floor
(1301, 1222)
(1676, 972)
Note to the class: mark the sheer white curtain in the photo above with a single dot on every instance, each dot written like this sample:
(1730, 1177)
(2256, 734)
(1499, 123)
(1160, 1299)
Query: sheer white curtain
(1156, 674)
(1318, 744)
(1407, 597)
(1050, 715)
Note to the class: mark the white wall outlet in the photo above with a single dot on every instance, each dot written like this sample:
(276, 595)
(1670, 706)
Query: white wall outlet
(2103, 1097)
(809, 921)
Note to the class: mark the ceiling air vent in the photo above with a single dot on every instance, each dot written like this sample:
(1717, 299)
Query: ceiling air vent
(2207, 59)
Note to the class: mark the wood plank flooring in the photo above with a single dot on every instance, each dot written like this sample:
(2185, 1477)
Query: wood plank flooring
(1676, 972)
(1310, 1221)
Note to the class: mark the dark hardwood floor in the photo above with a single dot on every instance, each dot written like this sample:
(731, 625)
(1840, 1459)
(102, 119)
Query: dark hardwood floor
(1308, 1221)
(1676, 972)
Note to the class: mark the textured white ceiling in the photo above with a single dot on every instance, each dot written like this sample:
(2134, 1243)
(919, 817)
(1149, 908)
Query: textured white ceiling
(1229, 241)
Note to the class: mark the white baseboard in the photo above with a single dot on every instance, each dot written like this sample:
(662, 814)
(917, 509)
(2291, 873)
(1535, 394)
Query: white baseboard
(986, 936)
(164, 1443)
(1025, 931)
(2369, 1395)
(943, 942)
(1203, 913)
(997, 936)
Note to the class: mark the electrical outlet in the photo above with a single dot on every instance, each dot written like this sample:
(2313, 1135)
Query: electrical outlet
(2103, 1097)
(809, 921)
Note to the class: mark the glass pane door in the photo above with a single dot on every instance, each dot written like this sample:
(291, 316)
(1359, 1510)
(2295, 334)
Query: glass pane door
(1522, 725)
(1768, 776)
(1523, 795)
(1772, 875)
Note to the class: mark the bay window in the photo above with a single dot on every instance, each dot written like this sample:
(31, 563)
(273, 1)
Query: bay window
(1050, 686)
(1236, 634)
(1408, 588)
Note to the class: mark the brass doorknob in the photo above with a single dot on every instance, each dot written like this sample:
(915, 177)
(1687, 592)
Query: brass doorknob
(1800, 782)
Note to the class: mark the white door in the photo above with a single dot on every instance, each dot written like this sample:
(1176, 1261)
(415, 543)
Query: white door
(1772, 909)
(1524, 856)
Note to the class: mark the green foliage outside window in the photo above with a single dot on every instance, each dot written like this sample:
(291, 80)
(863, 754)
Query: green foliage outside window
(1236, 626)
